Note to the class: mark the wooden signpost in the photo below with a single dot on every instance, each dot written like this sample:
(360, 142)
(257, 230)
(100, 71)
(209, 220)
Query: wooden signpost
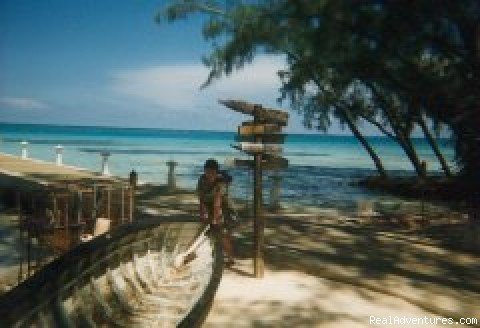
(256, 147)
(278, 163)
(260, 138)
(276, 138)
(260, 114)
(255, 129)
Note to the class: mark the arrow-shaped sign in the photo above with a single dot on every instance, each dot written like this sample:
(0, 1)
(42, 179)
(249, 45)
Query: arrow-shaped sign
(256, 148)
(258, 129)
(266, 138)
(262, 114)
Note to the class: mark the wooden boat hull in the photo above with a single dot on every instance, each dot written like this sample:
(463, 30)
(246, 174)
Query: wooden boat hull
(122, 279)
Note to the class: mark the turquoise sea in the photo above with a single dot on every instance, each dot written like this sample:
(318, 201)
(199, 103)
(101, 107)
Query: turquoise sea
(321, 166)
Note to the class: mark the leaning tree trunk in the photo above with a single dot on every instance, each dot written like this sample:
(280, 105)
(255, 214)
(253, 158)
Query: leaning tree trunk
(433, 143)
(403, 138)
(411, 153)
(407, 145)
(353, 127)
(405, 142)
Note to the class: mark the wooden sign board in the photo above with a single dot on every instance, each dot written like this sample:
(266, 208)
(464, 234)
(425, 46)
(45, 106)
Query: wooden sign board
(266, 122)
(273, 158)
(258, 129)
(272, 116)
(257, 148)
(275, 138)
(279, 163)
(262, 114)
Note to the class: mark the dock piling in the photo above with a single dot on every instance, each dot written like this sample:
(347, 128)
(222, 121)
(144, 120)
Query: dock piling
(24, 149)
(105, 170)
(59, 155)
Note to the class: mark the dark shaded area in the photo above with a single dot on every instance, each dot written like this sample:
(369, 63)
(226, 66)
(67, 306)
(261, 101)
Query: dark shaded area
(454, 192)
(368, 256)
(374, 255)
(432, 188)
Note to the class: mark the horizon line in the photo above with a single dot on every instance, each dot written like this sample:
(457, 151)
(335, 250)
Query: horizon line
(314, 132)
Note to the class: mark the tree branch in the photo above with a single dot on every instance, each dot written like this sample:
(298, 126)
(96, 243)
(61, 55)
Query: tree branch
(379, 126)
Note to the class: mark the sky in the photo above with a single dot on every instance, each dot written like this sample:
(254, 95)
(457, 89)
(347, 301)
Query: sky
(106, 62)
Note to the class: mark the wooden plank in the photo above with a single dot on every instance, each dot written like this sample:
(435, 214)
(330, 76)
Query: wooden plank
(274, 158)
(258, 148)
(281, 161)
(262, 114)
(279, 164)
(243, 162)
(267, 138)
(276, 162)
(272, 116)
(258, 129)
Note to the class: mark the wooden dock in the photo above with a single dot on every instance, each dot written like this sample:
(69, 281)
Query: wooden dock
(31, 174)
(58, 205)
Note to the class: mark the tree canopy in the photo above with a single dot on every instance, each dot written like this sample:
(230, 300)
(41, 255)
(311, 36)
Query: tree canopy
(391, 63)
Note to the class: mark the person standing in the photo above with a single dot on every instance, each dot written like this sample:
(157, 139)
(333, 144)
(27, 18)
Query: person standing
(212, 195)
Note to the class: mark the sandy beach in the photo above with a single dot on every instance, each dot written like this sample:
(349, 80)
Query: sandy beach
(345, 133)
(332, 270)
(322, 268)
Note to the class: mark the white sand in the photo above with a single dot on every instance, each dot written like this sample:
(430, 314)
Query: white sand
(295, 299)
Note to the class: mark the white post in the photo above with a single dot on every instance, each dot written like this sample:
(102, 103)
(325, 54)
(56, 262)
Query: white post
(24, 149)
(59, 152)
(105, 169)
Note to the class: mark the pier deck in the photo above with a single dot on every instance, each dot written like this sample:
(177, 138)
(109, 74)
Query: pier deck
(55, 206)
(33, 174)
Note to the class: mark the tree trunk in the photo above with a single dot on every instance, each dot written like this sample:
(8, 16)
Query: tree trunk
(353, 127)
(433, 143)
(406, 143)
(402, 137)
(411, 153)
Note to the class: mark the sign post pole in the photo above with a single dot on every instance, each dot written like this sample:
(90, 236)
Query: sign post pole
(259, 223)
(260, 139)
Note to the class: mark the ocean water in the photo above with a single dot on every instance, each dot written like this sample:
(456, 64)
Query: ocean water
(321, 168)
